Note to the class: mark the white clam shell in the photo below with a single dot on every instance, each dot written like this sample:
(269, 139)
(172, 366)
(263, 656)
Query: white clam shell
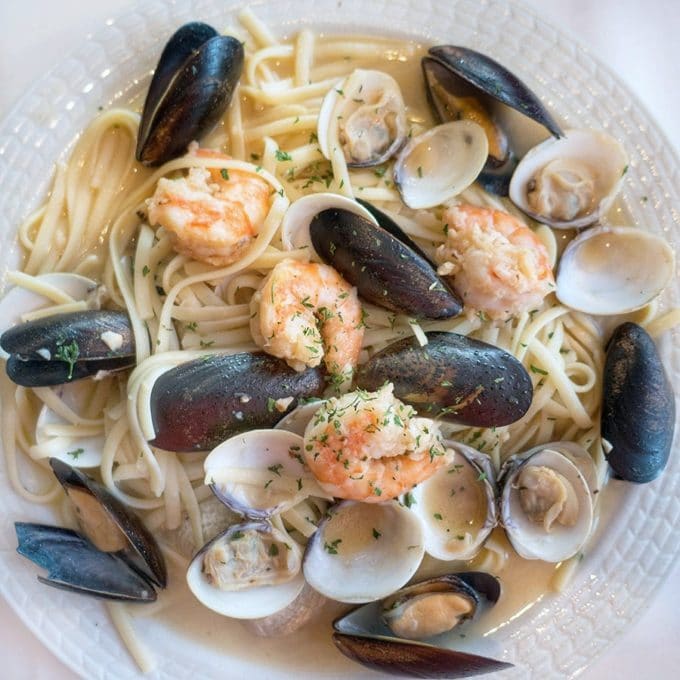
(457, 506)
(297, 420)
(364, 551)
(249, 603)
(529, 538)
(260, 473)
(295, 223)
(361, 88)
(614, 270)
(599, 152)
(440, 163)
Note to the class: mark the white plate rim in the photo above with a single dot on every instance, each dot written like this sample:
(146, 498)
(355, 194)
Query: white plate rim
(649, 513)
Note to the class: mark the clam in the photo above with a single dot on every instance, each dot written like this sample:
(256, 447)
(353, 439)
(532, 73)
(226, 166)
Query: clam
(638, 406)
(614, 270)
(571, 181)
(440, 163)
(365, 116)
(249, 571)
(115, 556)
(386, 271)
(463, 84)
(63, 347)
(297, 420)
(199, 404)
(452, 377)
(363, 552)
(380, 635)
(191, 89)
(546, 503)
(260, 473)
(457, 505)
(296, 221)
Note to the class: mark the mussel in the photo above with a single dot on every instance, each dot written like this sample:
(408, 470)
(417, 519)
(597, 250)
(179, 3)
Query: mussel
(199, 404)
(453, 377)
(464, 84)
(638, 406)
(57, 349)
(115, 556)
(385, 270)
(191, 89)
(382, 635)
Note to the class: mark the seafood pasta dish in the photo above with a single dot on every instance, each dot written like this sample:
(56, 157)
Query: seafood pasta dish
(333, 340)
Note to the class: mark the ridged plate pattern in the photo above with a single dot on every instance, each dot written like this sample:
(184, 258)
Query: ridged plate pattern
(642, 539)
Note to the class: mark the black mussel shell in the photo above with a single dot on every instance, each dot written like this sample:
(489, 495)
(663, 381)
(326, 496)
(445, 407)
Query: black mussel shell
(35, 373)
(638, 406)
(385, 270)
(73, 342)
(453, 377)
(199, 404)
(466, 73)
(482, 583)
(413, 659)
(187, 97)
(143, 554)
(390, 226)
(74, 564)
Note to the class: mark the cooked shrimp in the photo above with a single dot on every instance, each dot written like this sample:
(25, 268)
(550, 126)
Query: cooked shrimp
(369, 446)
(306, 312)
(213, 214)
(499, 266)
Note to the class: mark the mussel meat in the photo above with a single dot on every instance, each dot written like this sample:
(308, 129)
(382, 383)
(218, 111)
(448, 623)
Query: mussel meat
(638, 406)
(464, 84)
(453, 377)
(57, 349)
(386, 271)
(199, 404)
(191, 89)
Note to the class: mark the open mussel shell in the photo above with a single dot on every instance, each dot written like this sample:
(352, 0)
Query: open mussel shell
(440, 163)
(452, 377)
(457, 505)
(638, 406)
(260, 473)
(249, 571)
(199, 404)
(73, 563)
(546, 505)
(194, 81)
(110, 525)
(572, 181)
(410, 659)
(363, 551)
(385, 270)
(57, 349)
(463, 83)
(614, 270)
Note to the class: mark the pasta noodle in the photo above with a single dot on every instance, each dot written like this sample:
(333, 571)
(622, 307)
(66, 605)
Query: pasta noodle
(94, 223)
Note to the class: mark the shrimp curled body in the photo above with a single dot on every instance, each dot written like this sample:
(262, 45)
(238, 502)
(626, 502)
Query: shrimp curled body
(213, 214)
(499, 266)
(369, 446)
(306, 312)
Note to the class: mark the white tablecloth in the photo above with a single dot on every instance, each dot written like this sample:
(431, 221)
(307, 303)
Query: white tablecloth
(638, 40)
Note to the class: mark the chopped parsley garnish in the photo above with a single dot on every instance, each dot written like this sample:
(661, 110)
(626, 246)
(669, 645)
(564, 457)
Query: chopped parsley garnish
(225, 173)
(192, 326)
(536, 369)
(145, 270)
(276, 469)
(409, 500)
(273, 550)
(76, 453)
(437, 516)
(236, 535)
(271, 404)
(332, 547)
(69, 354)
(376, 534)
(283, 155)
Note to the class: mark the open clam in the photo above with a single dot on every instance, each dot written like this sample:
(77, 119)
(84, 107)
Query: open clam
(571, 181)
(614, 270)
(464, 84)
(457, 505)
(249, 571)
(365, 116)
(547, 502)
